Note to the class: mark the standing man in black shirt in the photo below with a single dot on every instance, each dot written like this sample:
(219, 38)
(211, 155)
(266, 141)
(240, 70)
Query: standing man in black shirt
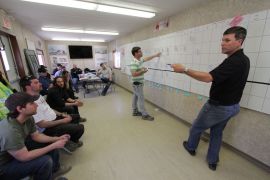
(228, 82)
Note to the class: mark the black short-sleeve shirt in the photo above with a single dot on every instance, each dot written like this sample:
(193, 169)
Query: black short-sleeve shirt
(229, 79)
(57, 97)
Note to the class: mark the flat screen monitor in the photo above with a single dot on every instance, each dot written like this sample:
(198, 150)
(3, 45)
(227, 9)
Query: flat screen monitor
(80, 52)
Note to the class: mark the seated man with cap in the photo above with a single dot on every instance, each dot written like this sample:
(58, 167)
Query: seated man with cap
(16, 159)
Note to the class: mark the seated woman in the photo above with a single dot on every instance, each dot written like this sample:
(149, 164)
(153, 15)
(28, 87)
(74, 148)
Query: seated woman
(68, 84)
(59, 99)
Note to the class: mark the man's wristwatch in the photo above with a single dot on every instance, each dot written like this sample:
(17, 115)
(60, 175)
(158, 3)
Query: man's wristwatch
(185, 70)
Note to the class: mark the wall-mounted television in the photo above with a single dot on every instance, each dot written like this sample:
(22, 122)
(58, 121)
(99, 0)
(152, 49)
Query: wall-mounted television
(80, 52)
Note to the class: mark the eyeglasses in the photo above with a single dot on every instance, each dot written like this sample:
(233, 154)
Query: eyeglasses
(29, 77)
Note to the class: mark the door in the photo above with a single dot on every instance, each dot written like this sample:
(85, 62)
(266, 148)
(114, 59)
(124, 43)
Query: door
(9, 63)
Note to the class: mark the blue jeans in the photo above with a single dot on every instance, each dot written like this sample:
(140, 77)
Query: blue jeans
(214, 117)
(108, 83)
(138, 99)
(40, 168)
(75, 84)
(54, 154)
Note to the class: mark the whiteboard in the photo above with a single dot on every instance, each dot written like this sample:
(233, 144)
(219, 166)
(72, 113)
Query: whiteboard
(199, 48)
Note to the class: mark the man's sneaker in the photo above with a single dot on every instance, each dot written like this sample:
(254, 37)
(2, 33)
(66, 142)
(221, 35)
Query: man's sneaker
(79, 144)
(212, 166)
(148, 117)
(64, 149)
(137, 113)
(191, 152)
(76, 144)
(71, 146)
(62, 170)
(82, 119)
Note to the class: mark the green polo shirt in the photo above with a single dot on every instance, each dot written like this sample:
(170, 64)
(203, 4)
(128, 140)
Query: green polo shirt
(137, 65)
(13, 135)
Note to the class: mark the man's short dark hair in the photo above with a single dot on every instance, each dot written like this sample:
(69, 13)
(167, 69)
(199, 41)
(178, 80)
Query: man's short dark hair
(101, 64)
(42, 70)
(59, 65)
(135, 50)
(26, 81)
(238, 31)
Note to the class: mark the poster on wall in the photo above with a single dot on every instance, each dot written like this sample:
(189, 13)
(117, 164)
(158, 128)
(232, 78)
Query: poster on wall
(58, 55)
(100, 55)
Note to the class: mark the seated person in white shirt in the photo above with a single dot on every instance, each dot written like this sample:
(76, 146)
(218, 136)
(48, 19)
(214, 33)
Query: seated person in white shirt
(105, 74)
(49, 121)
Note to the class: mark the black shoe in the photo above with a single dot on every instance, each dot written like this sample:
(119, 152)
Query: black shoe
(191, 152)
(62, 170)
(78, 144)
(212, 166)
(137, 113)
(82, 120)
(148, 117)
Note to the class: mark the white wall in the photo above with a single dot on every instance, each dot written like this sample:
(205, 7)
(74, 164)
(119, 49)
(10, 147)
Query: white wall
(81, 63)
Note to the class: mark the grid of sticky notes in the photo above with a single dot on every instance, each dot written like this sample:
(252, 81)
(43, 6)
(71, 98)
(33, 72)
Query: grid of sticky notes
(199, 48)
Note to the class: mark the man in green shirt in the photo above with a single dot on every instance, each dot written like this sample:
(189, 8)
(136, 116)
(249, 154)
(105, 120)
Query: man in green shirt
(16, 161)
(137, 72)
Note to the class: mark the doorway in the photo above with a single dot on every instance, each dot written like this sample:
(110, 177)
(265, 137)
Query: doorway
(9, 64)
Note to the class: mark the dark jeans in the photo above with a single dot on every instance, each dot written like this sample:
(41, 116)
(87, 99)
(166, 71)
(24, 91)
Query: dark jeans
(108, 83)
(40, 168)
(54, 154)
(214, 117)
(69, 109)
(74, 129)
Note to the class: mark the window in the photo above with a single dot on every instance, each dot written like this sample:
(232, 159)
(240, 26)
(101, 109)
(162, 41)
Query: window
(117, 60)
(4, 56)
(40, 57)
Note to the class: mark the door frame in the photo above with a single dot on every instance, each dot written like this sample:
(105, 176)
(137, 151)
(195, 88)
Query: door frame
(16, 53)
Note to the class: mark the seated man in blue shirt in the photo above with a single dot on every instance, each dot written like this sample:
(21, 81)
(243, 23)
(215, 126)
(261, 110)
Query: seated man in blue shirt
(44, 80)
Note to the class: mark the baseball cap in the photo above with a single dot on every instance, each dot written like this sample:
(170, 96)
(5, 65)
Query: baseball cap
(19, 99)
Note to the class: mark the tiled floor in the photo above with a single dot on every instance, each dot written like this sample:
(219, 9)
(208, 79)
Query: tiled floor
(118, 146)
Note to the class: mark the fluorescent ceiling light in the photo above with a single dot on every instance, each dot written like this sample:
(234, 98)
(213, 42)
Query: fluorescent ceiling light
(62, 30)
(125, 11)
(102, 32)
(95, 6)
(67, 3)
(77, 39)
(78, 31)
